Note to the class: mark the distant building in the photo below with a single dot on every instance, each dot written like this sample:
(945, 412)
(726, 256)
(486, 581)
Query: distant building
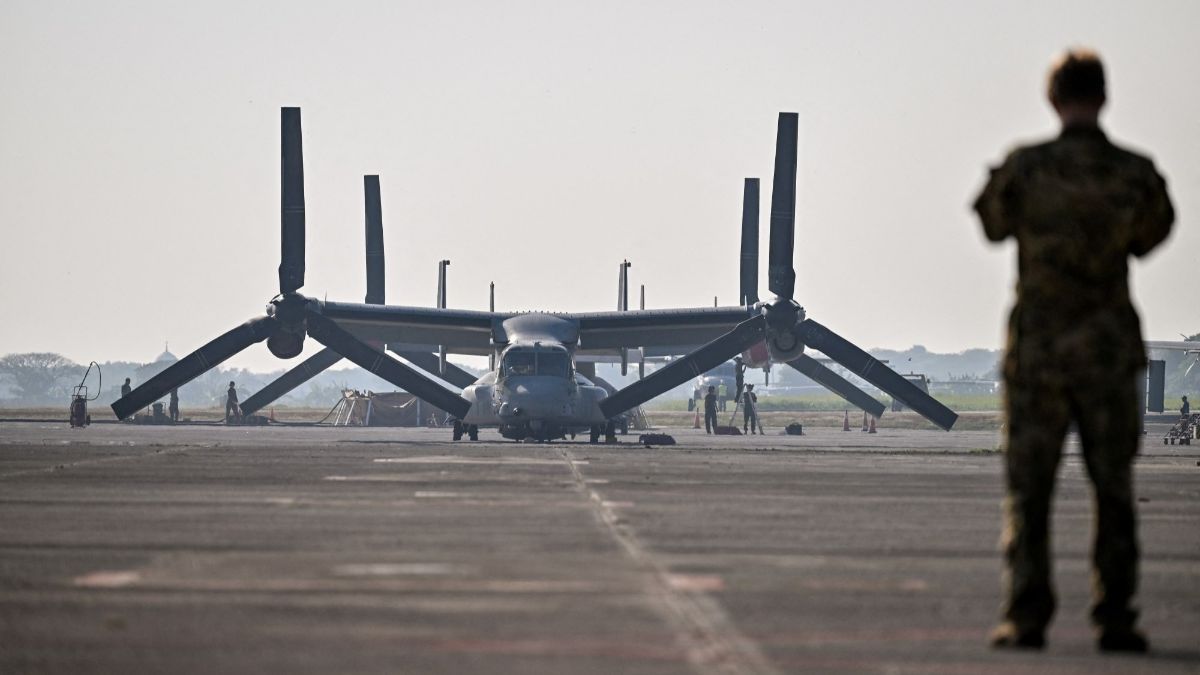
(159, 364)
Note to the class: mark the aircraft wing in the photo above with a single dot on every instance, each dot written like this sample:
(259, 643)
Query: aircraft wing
(1173, 345)
(462, 331)
(659, 329)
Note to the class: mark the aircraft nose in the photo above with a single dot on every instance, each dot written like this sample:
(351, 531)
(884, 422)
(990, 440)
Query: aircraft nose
(524, 402)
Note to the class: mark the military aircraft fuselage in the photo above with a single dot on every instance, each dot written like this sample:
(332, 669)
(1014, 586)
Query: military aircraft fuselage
(535, 390)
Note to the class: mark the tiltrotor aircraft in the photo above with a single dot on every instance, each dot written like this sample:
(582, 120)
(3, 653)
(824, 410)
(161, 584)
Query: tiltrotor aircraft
(536, 390)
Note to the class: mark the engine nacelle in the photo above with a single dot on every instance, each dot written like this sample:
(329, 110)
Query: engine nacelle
(785, 346)
(783, 338)
(288, 339)
(758, 356)
(286, 344)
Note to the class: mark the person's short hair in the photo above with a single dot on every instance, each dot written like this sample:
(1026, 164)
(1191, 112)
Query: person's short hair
(231, 384)
(749, 386)
(1077, 76)
(712, 388)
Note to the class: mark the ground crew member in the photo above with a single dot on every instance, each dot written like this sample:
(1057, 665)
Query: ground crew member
(173, 405)
(710, 411)
(750, 410)
(722, 394)
(126, 388)
(231, 402)
(1186, 408)
(1078, 207)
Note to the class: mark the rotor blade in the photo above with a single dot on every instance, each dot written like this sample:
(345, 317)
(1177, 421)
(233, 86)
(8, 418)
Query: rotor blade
(328, 333)
(837, 384)
(291, 251)
(374, 220)
(194, 365)
(305, 371)
(429, 363)
(872, 370)
(677, 372)
(781, 276)
(749, 270)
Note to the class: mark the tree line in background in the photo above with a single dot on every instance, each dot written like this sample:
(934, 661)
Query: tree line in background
(37, 379)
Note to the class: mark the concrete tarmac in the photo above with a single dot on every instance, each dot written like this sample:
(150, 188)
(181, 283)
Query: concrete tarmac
(129, 549)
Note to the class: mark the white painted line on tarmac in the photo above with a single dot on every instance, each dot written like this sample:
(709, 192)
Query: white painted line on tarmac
(700, 583)
(445, 459)
(108, 579)
(711, 640)
(433, 494)
(418, 569)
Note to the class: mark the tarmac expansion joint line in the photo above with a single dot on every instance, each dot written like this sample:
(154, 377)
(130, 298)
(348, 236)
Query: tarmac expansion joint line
(712, 643)
(158, 451)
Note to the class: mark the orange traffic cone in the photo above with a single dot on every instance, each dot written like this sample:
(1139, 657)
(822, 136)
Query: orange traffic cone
(846, 422)
(696, 424)
(872, 430)
(864, 420)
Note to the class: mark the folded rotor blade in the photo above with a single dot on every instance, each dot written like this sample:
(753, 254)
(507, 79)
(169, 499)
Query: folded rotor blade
(308, 369)
(194, 365)
(749, 269)
(837, 384)
(291, 251)
(429, 363)
(328, 333)
(374, 208)
(677, 372)
(872, 370)
(781, 276)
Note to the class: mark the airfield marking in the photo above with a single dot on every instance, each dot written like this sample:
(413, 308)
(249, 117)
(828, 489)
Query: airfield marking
(711, 641)
(398, 569)
(98, 460)
(447, 459)
(108, 579)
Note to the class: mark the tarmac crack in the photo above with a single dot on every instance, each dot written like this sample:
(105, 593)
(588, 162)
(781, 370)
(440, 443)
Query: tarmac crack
(711, 641)
(99, 460)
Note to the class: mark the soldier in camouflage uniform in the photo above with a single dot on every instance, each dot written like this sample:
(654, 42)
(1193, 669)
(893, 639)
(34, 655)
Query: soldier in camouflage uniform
(1078, 207)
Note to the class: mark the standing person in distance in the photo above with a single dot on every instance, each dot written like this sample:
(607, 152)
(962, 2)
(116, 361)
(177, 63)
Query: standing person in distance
(750, 410)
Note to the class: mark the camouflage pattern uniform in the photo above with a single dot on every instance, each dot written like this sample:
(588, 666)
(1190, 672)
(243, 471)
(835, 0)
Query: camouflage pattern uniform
(1078, 207)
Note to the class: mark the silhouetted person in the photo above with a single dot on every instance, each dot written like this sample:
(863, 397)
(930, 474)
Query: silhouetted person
(750, 410)
(231, 402)
(1186, 408)
(1078, 207)
(173, 405)
(710, 411)
(126, 388)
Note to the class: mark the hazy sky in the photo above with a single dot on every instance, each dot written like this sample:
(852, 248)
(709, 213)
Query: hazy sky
(536, 144)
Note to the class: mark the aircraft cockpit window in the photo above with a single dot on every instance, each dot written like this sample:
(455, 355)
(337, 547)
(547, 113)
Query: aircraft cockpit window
(536, 361)
(519, 362)
(553, 363)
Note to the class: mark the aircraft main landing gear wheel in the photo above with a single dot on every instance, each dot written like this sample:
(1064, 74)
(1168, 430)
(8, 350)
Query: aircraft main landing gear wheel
(610, 432)
(594, 437)
(473, 432)
(458, 430)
